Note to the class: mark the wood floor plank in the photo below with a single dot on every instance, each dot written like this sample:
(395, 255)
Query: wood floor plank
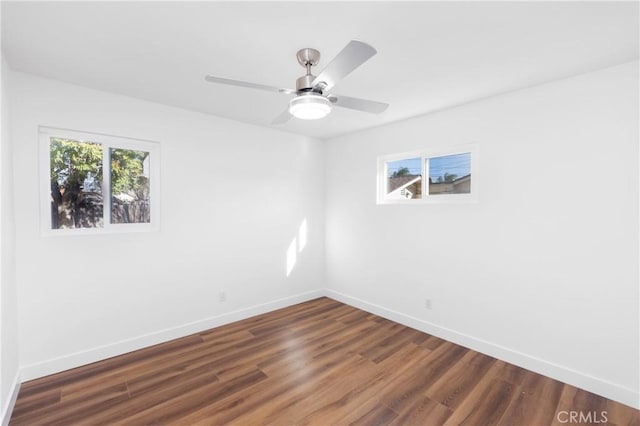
(542, 387)
(320, 362)
(177, 360)
(412, 385)
(458, 381)
(353, 343)
(287, 400)
(353, 316)
(423, 411)
(71, 412)
(156, 380)
(583, 403)
(119, 372)
(432, 342)
(274, 326)
(485, 405)
(270, 400)
(190, 401)
(330, 395)
(360, 393)
(324, 344)
(379, 415)
(267, 318)
(364, 397)
(620, 415)
(88, 372)
(389, 345)
(294, 377)
(509, 372)
(34, 402)
(526, 408)
(138, 403)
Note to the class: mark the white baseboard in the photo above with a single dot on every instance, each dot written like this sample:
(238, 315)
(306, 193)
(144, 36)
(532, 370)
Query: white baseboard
(77, 359)
(564, 374)
(7, 408)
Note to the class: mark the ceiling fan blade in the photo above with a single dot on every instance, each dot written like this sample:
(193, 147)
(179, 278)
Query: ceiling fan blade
(282, 118)
(221, 80)
(351, 57)
(358, 104)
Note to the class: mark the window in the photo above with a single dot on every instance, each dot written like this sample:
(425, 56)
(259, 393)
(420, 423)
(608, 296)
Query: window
(402, 178)
(95, 183)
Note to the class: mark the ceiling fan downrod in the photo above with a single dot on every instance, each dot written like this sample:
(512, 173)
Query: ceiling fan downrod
(307, 58)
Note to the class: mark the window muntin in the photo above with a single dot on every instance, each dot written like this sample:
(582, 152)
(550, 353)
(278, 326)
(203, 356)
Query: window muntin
(97, 183)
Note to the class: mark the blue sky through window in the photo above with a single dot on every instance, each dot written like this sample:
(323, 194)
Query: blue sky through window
(458, 164)
(413, 164)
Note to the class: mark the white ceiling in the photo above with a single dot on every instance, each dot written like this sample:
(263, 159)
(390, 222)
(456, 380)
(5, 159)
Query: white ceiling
(431, 55)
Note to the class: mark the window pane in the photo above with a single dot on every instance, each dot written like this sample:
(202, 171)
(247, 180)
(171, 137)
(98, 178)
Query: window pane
(130, 186)
(404, 179)
(76, 184)
(450, 174)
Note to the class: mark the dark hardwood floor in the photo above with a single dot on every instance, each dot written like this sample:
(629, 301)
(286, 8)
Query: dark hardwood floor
(319, 362)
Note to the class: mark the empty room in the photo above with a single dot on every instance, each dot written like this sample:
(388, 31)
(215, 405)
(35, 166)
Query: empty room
(320, 213)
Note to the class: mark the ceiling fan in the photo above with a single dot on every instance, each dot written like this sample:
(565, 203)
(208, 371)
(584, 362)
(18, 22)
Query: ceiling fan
(313, 98)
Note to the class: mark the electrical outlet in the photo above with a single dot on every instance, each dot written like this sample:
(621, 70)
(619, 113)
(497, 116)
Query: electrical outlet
(222, 296)
(427, 303)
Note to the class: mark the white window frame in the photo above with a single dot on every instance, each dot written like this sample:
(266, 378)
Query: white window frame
(425, 155)
(108, 142)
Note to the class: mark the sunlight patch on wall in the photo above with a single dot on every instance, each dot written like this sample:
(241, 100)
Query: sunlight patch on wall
(291, 256)
(297, 245)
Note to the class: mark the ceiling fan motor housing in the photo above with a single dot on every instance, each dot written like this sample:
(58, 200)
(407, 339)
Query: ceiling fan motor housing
(303, 84)
(307, 58)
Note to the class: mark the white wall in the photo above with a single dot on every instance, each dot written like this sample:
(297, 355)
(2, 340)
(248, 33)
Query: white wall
(543, 270)
(233, 198)
(8, 300)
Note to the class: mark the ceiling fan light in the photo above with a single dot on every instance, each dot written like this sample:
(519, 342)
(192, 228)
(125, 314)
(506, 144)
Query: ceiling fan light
(309, 107)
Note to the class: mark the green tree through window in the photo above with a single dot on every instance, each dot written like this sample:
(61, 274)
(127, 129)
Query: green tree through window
(76, 175)
(76, 184)
(129, 186)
